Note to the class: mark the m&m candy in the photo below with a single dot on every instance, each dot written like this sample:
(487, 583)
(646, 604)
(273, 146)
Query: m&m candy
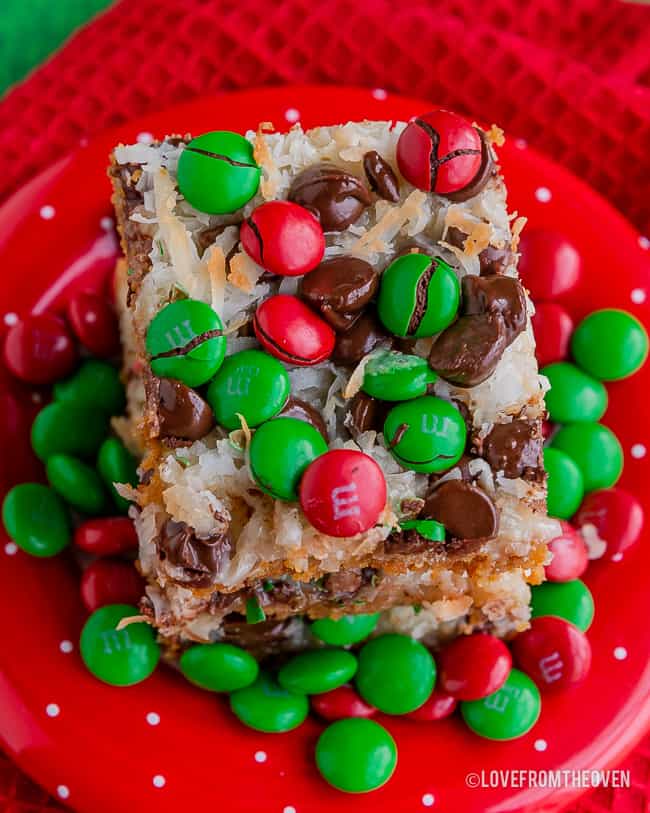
(356, 755)
(318, 671)
(36, 518)
(284, 238)
(110, 581)
(473, 666)
(250, 383)
(185, 341)
(549, 264)
(118, 657)
(552, 326)
(340, 703)
(280, 451)
(117, 465)
(396, 674)
(77, 483)
(570, 555)
(292, 332)
(217, 172)
(94, 322)
(62, 428)
(392, 376)
(615, 514)
(418, 296)
(565, 483)
(349, 629)
(426, 434)
(610, 344)
(596, 451)
(95, 384)
(437, 707)
(106, 536)
(39, 349)
(574, 396)
(570, 600)
(440, 152)
(506, 714)
(265, 706)
(219, 667)
(343, 492)
(553, 652)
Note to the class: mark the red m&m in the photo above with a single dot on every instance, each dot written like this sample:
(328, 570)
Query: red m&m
(473, 666)
(340, 703)
(439, 152)
(552, 326)
(95, 324)
(343, 492)
(106, 536)
(616, 515)
(39, 349)
(550, 264)
(553, 652)
(289, 330)
(437, 707)
(284, 238)
(570, 556)
(111, 581)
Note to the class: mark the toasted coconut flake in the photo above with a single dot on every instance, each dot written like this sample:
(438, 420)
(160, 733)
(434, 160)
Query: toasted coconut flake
(380, 236)
(215, 263)
(244, 272)
(478, 232)
(495, 136)
(517, 228)
(125, 622)
(356, 379)
(262, 154)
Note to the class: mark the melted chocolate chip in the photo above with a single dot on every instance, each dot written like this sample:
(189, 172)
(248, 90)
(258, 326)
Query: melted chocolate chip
(263, 639)
(485, 172)
(514, 448)
(296, 408)
(339, 288)
(381, 177)
(465, 510)
(491, 260)
(201, 559)
(468, 351)
(496, 294)
(422, 244)
(182, 413)
(410, 542)
(332, 194)
(343, 584)
(367, 413)
(366, 333)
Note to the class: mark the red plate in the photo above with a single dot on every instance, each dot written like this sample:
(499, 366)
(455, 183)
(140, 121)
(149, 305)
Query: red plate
(167, 746)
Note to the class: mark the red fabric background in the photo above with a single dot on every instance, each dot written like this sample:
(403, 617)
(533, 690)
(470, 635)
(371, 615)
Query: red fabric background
(570, 76)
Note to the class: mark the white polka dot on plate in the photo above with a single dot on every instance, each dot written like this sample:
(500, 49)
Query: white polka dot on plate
(159, 781)
(380, 94)
(620, 653)
(66, 647)
(638, 296)
(521, 143)
(47, 212)
(292, 115)
(144, 138)
(428, 799)
(152, 718)
(543, 194)
(52, 710)
(107, 223)
(289, 809)
(11, 548)
(644, 242)
(260, 756)
(617, 557)
(10, 318)
(540, 745)
(638, 451)
(63, 791)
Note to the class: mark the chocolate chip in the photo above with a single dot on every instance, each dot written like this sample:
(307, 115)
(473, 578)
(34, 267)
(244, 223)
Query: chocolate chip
(465, 510)
(336, 197)
(296, 408)
(422, 244)
(343, 584)
(514, 448)
(366, 333)
(485, 172)
(201, 559)
(491, 260)
(367, 413)
(468, 351)
(381, 177)
(339, 288)
(496, 294)
(410, 542)
(182, 413)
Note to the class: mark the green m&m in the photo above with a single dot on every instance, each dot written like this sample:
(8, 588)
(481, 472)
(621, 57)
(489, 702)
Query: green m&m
(119, 657)
(506, 714)
(280, 451)
(570, 600)
(77, 483)
(350, 629)
(95, 384)
(62, 428)
(36, 519)
(392, 376)
(356, 755)
(595, 450)
(565, 487)
(318, 671)
(396, 674)
(426, 434)
(217, 172)
(418, 296)
(574, 396)
(219, 667)
(265, 706)
(117, 465)
(250, 383)
(610, 344)
(428, 528)
(184, 342)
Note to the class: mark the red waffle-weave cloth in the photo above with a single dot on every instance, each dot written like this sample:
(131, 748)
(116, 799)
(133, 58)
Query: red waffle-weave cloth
(570, 76)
